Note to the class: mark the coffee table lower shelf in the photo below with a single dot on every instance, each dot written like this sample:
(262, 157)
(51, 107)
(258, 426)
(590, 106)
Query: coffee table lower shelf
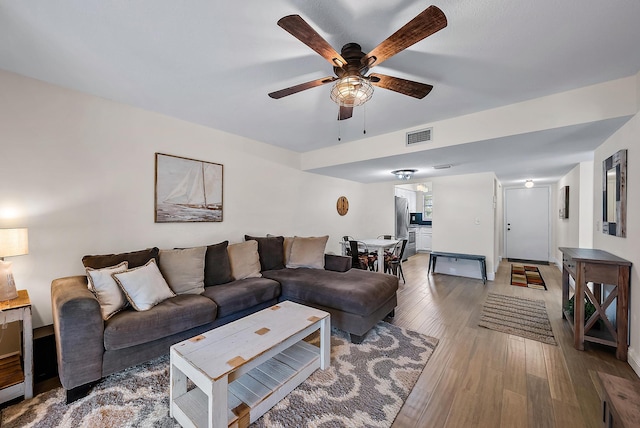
(255, 392)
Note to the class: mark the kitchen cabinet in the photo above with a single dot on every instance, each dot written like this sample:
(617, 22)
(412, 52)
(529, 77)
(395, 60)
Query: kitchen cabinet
(411, 197)
(423, 239)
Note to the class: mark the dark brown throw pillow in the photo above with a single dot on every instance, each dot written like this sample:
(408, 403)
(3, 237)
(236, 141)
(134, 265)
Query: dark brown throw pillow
(271, 251)
(217, 269)
(135, 259)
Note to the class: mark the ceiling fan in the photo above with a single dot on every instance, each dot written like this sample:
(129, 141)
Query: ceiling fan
(353, 87)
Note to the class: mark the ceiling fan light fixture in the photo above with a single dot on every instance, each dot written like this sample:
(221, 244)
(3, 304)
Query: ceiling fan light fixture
(404, 174)
(351, 91)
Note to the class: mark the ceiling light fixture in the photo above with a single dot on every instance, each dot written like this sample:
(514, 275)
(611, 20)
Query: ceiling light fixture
(528, 184)
(351, 91)
(404, 174)
(421, 187)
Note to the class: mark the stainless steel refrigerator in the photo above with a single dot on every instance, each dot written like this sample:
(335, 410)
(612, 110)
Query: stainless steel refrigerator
(402, 226)
(402, 218)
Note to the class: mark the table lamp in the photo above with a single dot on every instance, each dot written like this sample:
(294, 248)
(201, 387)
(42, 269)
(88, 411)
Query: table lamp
(13, 242)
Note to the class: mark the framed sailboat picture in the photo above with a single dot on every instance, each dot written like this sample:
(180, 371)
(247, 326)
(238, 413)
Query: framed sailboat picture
(187, 190)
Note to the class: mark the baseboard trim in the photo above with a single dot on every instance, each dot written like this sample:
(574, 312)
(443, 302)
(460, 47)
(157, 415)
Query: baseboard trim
(634, 360)
(533, 262)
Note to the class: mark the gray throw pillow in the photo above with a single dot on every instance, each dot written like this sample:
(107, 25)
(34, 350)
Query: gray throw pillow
(217, 269)
(134, 259)
(270, 250)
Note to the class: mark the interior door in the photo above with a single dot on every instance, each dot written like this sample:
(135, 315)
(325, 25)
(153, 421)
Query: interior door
(527, 225)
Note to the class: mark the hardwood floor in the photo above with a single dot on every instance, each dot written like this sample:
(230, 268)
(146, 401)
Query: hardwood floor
(482, 378)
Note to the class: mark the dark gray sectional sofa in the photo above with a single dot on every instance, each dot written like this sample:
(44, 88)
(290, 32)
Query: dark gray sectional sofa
(89, 347)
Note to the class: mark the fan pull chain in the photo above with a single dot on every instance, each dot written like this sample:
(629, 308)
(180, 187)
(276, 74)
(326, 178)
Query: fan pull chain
(339, 139)
(364, 121)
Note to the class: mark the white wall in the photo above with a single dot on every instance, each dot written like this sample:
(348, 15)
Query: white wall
(626, 137)
(78, 171)
(567, 231)
(463, 221)
(498, 232)
(577, 230)
(585, 239)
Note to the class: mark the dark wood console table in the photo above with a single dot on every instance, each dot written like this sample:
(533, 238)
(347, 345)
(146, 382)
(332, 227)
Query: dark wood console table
(599, 268)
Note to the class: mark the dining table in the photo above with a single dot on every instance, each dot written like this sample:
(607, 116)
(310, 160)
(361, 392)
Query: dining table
(379, 245)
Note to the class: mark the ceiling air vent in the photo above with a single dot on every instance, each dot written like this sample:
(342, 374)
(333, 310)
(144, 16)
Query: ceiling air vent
(417, 137)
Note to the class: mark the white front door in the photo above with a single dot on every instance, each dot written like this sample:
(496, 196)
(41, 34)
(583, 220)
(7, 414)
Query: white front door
(527, 223)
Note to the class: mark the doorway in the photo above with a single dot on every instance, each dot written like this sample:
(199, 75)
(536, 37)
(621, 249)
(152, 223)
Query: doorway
(527, 224)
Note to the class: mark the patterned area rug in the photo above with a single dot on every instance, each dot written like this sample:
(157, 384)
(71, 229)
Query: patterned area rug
(366, 385)
(515, 315)
(527, 276)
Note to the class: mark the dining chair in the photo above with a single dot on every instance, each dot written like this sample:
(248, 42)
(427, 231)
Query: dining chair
(359, 254)
(359, 259)
(393, 260)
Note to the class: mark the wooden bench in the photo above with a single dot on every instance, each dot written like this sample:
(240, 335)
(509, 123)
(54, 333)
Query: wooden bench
(482, 259)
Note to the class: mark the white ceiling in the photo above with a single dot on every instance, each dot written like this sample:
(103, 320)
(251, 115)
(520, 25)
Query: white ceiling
(213, 63)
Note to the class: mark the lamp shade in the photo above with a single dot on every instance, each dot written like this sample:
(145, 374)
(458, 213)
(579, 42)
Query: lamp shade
(14, 242)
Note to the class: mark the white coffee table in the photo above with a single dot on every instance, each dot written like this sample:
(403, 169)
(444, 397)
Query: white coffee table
(244, 368)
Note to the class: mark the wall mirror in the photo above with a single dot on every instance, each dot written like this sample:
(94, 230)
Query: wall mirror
(614, 194)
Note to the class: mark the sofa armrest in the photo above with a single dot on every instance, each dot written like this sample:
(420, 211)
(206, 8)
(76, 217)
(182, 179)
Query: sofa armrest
(79, 331)
(337, 263)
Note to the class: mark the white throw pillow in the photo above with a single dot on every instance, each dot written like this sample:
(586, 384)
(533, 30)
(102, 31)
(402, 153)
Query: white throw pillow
(244, 260)
(111, 298)
(183, 269)
(144, 286)
(307, 252)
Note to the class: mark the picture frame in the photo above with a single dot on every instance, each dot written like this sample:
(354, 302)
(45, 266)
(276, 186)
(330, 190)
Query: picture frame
(187, 190)
(614, 194)
(564, 202)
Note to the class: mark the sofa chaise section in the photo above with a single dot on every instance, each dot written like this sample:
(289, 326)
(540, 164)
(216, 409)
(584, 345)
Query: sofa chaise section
(356, 299)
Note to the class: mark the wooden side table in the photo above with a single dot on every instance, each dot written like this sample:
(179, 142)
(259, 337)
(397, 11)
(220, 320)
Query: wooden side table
(599, 268)
(16, 381)
(620, 401)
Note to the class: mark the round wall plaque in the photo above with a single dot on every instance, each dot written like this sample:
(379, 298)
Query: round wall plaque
(342, 205)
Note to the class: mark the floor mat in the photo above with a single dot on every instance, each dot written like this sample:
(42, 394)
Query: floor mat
(527, 276)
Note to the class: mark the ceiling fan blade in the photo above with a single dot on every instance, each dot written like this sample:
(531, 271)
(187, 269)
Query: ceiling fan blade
(345, 112)
(425, 24)
(301, 87)
(402, 86)
(302, 31)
